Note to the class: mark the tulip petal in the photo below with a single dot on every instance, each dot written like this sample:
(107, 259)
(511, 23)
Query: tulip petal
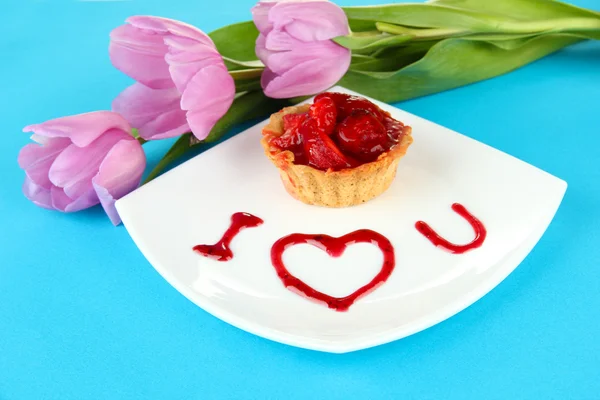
(36, 159)
(307, 78)
(86, 200)
(44, 140)
(198, 72)
(140, 54)
(261, 49)
(282, 61)
(188, 47)
(75, 167)
(207, 98)
(296, 47)
(82, 129)
(37, 194)
(260, 15)
(319, 20)
(186, 57)
(62, 202)
(119, 174)
(278, 40)
(155, 113)
(166, 26)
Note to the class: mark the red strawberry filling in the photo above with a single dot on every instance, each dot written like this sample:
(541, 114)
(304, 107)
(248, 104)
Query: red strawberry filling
(339, 131)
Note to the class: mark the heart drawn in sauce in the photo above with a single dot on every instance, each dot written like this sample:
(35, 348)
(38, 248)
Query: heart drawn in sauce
(335, 247)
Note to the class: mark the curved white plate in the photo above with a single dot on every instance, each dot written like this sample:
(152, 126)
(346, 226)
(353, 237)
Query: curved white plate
(192, 204)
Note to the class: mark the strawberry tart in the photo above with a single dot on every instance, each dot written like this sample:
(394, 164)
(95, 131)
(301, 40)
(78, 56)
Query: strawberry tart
(340, 151)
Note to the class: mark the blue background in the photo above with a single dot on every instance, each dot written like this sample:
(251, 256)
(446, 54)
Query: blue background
(84, 316)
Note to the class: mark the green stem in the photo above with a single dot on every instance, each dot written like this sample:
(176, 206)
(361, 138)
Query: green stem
(244, 74)
(177, 150)
(245, 64)
(556, 25)
(512, 27)
(427, 34)
(247, 85)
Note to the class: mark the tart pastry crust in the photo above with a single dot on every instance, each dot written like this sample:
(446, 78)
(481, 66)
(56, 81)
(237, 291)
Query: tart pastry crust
(343, 188)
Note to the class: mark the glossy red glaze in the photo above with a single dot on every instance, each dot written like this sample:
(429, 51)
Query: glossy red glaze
(362, 135)
(348, 104)
(320, 150)
(438, 241)
(324, 113)
(221, 251)
(339, 131)
(291, 139)
(335, 247)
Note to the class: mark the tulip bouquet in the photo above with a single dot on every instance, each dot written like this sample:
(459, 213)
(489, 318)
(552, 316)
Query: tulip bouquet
(197, 86)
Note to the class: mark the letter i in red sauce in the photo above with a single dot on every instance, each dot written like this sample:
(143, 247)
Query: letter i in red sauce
(221, 251)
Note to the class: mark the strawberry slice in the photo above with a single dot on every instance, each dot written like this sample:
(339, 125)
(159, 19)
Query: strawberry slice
(293, 121)
(362, 135)
(321, 151)
(347, 105)
(324, 112)
(290, 139)
(338, 98)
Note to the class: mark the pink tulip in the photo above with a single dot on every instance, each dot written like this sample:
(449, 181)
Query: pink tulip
(296, 47)
(182, 81)
(80, 161)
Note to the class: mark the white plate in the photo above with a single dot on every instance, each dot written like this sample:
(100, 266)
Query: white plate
(192, 204)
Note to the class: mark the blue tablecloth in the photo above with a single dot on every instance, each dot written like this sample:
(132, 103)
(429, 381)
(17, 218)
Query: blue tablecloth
(84, 316)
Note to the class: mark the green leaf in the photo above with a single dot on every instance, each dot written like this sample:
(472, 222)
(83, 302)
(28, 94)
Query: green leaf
(448, 19)
(360, 41)
(452, 63)
(499, 37)
(245, 107)
(247, 85)
(236, 41)
(236, 44)
(357, 25)
(391, 59)
(521, 9)
(425, 15)
(520, 40)
(587, 28)
(360, 57)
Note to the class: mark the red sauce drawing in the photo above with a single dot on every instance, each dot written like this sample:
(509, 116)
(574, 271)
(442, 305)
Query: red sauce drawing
(438, 241)
(220, 251)
(334, 247)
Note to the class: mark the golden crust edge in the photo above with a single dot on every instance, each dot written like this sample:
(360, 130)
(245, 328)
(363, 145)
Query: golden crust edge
(330, 188)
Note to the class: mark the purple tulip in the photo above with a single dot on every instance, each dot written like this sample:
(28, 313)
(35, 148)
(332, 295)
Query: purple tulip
(296, 47)
(182, 81)
(80, 161)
